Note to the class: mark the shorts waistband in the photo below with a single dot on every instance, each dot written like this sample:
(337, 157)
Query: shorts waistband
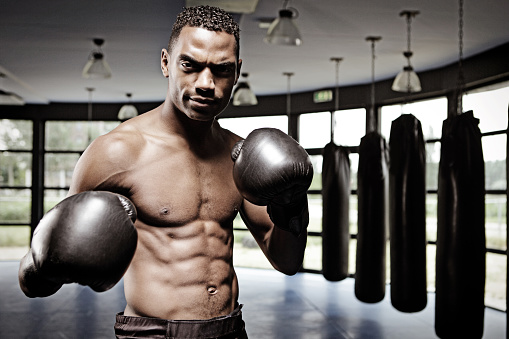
(162, 328)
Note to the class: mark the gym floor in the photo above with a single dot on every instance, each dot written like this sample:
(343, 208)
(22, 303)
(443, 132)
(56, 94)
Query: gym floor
(304, 306)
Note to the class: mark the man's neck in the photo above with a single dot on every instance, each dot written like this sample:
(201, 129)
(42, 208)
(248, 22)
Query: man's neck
(197, 133)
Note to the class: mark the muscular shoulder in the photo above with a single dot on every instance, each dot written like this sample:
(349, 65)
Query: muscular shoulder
(120, 145)
(107, 158)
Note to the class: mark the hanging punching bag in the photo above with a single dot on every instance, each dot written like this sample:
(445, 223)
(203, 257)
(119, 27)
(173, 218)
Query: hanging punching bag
(461, 245)
(372, 191)
(335, 217)
(407, 214)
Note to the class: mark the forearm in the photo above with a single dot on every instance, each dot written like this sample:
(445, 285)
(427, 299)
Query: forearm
(285, 251)
(287, 241)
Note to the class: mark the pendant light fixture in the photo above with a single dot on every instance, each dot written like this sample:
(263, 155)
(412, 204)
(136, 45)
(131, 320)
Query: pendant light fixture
(127, 111)
(96, 66)
(407, 80)
(243, 95)
(371, 122)
(283, 30)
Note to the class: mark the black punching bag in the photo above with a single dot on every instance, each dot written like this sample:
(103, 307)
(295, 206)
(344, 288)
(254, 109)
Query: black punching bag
(335, 217)
(407, 214)
(372, 191)
(461, 243)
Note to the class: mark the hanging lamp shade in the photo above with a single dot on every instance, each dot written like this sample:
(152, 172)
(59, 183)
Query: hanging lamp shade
(96, 66)
(407, 81)
(127, 111)
(283, 30)
(243, 95)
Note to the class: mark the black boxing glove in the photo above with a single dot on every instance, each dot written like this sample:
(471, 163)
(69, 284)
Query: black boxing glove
(88, 238)
(271, 169)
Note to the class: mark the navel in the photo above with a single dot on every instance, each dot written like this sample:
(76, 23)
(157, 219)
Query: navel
(212, 290)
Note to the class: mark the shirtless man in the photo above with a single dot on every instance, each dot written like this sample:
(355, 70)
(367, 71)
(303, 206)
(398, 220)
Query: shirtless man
(174, 164)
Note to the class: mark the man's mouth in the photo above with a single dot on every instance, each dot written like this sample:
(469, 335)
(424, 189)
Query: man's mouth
(201, 101)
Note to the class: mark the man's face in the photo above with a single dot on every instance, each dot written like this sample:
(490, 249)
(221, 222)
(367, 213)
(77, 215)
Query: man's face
(201, 69)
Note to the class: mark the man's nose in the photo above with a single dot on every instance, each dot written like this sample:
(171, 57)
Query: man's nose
(205, 81)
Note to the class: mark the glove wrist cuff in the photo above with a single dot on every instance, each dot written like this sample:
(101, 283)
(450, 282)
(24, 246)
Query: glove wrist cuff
(293, 218)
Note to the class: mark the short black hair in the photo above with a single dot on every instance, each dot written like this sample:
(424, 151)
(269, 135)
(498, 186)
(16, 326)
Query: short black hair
(208, 17)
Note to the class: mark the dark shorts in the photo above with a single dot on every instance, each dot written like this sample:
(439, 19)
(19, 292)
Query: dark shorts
(230, 326)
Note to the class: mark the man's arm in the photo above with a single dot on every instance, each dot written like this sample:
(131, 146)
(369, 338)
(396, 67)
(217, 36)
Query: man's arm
(284, 250)
(273, 173)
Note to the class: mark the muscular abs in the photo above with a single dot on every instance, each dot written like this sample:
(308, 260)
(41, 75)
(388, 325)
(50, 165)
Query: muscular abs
(183, 266)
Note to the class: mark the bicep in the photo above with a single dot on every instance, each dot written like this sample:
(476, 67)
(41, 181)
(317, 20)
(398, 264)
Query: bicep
(257, 221)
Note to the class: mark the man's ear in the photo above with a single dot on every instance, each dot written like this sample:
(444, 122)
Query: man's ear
(165, 59)
(239, 66)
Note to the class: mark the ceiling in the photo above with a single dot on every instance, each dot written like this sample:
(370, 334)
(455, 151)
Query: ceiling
(45, 44)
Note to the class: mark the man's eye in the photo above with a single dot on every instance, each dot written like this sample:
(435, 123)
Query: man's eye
(186, 65)
(225, 70)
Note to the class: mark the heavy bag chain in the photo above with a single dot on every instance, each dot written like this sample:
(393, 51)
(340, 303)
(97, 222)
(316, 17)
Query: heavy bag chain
(461, 78)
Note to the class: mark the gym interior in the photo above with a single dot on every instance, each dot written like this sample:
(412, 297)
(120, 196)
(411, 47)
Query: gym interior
(375, 266)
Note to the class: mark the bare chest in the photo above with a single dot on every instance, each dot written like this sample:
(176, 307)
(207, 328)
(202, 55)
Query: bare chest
(176, 189)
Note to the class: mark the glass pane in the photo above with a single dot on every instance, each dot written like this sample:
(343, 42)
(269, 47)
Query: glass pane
(74, 135)
(489, 106)
(315, 212)
(16, 169)
(314, 129)
(354, 214)
(15, 206)
(349, 126)
(494, 152)
(53, 197)
(431, 254)
(431, 114)
(16, 134)
(432, 165)
(431, 217)
(317, 161)
(495, 224)
(58, 169)
(246, 252)
(496, 268)
(352, 254)
(354, 167)
(313, 254)
(14, 242)
(243, 126)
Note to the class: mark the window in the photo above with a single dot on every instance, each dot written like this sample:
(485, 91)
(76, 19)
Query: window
(349, 126)
(314, 129)
(15, 187)
(65, 141)
(431, 114)
(489, 105)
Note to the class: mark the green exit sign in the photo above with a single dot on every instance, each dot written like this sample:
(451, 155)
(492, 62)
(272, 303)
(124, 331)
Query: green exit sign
(322, 96)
